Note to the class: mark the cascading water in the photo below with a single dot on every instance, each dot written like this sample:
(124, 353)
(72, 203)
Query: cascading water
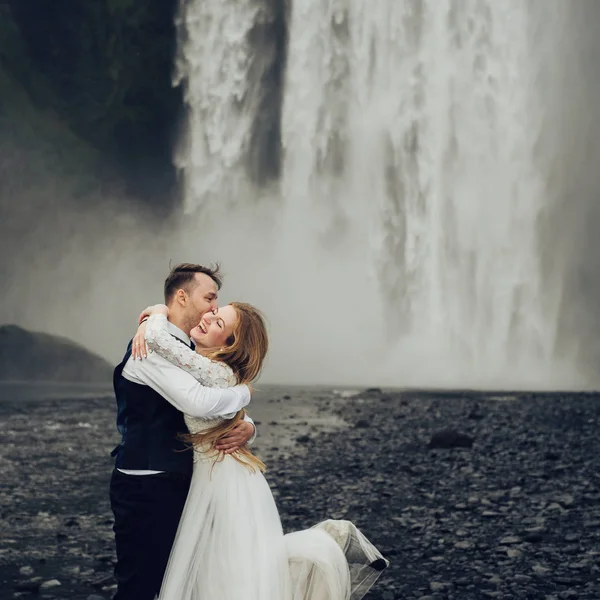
(401, 242)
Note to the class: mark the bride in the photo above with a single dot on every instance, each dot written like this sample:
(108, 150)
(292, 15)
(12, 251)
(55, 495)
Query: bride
(230, 544)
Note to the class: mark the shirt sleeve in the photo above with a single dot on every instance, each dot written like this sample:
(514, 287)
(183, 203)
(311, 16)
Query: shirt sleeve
(208, 372)
(184, 392)
(249, 420)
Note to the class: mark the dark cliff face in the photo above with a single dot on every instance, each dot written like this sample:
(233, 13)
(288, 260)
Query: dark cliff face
(104, 68)
(30, 356)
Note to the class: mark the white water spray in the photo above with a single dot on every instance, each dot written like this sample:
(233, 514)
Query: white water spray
(403, 242)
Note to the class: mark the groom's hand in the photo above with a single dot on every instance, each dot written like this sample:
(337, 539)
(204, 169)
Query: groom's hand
(236, 438)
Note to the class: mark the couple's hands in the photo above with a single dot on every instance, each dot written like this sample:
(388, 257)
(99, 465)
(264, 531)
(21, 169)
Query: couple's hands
(139, 348)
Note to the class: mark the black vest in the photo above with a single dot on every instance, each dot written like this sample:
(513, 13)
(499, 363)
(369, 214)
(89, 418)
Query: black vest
(149, 426)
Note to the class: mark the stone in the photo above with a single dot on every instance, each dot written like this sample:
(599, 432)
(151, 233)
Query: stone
(26, 571)
(565, 500)
(449, 438)
(540, 569)
(534, 537)
(28, 586)
(438, 586)
(102, 581)
(51, 583)
(511, 539)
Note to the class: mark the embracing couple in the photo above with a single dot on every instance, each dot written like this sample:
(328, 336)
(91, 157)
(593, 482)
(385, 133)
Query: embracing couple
(194, 516)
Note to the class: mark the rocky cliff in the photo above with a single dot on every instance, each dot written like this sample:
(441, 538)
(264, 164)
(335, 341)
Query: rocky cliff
(30, 356)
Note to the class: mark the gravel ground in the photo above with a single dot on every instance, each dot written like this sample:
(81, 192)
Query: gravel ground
(514, 512)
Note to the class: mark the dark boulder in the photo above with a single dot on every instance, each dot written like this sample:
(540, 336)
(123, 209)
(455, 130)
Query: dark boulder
(449, 438)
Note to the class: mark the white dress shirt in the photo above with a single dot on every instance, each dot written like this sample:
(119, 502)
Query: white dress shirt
(183, 391)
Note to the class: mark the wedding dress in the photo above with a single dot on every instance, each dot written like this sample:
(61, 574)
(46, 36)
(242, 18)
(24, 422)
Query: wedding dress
(230, 544)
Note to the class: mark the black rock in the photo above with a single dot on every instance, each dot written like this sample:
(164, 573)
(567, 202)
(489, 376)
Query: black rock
(475, 415)
(449, 438)
(102, 581)
(107, 558)
(533, 538)
(32, 587)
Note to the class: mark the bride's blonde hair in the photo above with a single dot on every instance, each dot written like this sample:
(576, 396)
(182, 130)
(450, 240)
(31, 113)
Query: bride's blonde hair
(244, 353)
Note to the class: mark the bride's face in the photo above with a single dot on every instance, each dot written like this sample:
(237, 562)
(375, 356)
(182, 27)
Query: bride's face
(215, 328)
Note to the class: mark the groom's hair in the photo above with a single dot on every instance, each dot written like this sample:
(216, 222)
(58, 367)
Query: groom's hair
(182, 275)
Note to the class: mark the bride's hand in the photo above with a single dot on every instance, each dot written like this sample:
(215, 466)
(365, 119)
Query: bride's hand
(139, 348)
(156, 309)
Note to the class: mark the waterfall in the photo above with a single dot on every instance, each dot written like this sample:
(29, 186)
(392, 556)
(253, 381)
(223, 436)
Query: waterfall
(402, 236)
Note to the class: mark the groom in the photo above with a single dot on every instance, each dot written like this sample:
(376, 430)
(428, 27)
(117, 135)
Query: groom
(152, 474)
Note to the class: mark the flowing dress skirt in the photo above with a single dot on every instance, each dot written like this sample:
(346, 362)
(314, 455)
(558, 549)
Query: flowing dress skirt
(230, 546)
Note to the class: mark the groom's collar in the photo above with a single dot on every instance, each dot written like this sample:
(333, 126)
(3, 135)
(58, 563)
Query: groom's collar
(178, 333)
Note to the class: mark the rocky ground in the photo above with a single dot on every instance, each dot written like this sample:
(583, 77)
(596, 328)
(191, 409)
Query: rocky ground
(512, 513)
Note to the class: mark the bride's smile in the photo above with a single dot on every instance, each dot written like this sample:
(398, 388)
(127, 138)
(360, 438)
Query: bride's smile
(215, 328)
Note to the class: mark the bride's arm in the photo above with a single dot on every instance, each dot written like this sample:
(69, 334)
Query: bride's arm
(209, 373)
(206, 371)
(185, 392)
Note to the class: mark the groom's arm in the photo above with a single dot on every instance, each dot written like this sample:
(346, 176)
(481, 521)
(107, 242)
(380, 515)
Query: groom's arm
(183, 391)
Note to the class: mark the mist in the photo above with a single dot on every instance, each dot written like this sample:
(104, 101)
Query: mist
(318, 241)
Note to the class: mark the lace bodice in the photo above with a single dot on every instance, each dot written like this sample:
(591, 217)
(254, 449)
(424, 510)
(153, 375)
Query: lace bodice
(208, 372)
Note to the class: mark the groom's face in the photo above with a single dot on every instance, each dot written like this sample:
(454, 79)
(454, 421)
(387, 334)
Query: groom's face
(202, 297)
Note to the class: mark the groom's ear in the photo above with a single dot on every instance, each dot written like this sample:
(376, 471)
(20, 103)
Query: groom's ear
(181, 296)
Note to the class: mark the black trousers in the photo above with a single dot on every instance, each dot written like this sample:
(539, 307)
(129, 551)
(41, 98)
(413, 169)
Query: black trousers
(147, 510)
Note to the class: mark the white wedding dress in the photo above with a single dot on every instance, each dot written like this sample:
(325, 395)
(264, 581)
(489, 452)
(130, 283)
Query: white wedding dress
(230, 544)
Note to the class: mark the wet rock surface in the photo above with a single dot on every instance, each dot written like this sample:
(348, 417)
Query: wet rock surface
(515, 515)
